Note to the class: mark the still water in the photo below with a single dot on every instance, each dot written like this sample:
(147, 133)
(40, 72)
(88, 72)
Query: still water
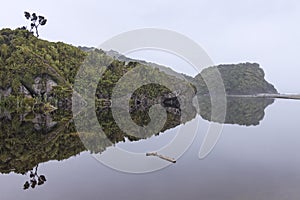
(256, 157)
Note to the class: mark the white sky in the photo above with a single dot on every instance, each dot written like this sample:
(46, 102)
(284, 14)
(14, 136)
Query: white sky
(231, 31)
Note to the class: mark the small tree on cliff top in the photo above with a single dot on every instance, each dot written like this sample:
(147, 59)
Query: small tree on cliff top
(36, 21)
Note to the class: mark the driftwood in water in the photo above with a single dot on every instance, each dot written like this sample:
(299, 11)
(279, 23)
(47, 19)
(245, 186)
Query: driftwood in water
(161, 156)
(279, 96)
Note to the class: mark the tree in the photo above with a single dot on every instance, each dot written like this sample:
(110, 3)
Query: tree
(36, 21)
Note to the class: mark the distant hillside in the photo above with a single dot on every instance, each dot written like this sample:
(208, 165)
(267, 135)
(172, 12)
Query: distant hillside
(244, 78)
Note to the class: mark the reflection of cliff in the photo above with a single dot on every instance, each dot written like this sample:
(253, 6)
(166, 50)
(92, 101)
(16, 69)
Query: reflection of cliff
(23, 145)
(29, 139)
(97, 142)
(26, 141)
(240, 110)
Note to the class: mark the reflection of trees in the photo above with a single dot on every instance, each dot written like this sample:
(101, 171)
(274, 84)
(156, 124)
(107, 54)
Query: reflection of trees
(34, 179)
(240, 110)
(97, 142)
(29, 139)
(23, 146)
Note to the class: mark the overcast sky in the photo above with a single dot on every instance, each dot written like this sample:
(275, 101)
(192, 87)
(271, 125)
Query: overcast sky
(231, 31)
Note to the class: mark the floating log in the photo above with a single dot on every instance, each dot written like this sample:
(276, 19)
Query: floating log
(172, 160)
(275, 96)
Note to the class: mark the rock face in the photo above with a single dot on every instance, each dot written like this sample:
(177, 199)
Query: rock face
(43, 85)
(5, 92)
(25, 92)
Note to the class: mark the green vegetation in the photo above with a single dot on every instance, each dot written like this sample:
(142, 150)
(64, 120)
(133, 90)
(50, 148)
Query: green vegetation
(244, 78)
(36, 74)
(45, 71)
(27, 63)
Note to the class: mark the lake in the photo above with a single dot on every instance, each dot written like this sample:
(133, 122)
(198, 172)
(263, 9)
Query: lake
(257, 161)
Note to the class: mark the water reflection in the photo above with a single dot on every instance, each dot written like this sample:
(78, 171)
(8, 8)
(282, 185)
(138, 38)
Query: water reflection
(240, 110)
(32, 138)
(28, 139)
(34, 179)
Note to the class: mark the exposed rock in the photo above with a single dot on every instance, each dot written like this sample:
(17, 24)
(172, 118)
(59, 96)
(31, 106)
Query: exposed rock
(43, 85)
(5, 92)
(43, 123)
(25, 92)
